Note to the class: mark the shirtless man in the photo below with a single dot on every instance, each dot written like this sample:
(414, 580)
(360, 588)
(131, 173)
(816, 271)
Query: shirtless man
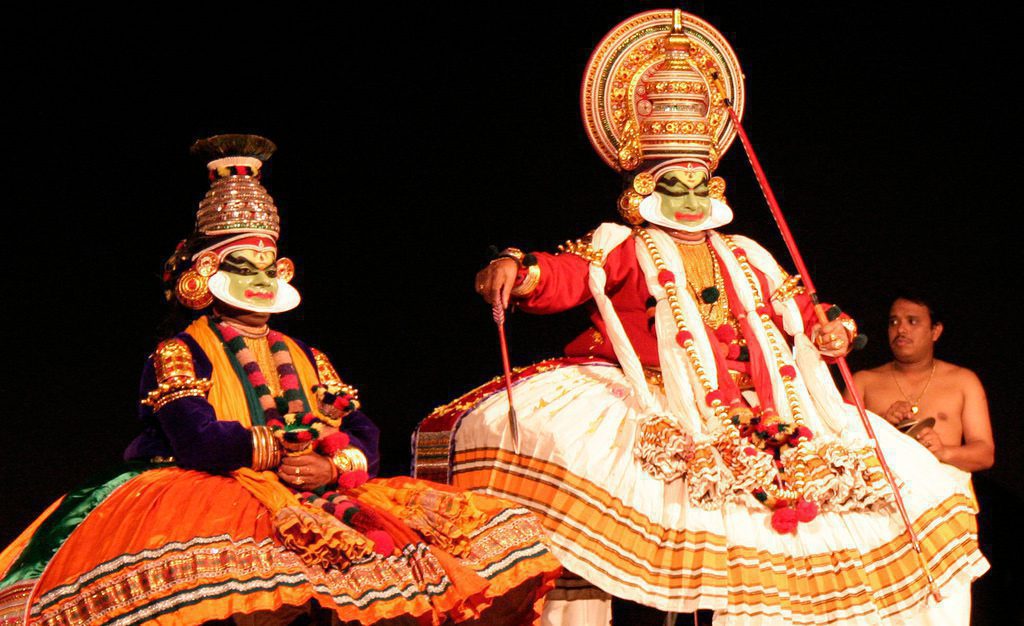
(916, 385)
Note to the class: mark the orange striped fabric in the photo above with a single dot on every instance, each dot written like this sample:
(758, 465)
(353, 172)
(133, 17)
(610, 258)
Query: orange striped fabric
(708, 570)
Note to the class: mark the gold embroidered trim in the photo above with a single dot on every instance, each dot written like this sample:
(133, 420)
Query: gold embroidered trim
(175, 375)
(583, 248)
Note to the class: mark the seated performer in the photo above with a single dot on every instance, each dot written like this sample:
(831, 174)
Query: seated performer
(915, 386)
(692, 451)
(246, 498)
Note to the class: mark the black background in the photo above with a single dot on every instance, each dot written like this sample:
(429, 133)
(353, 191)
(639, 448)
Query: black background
(412, 137)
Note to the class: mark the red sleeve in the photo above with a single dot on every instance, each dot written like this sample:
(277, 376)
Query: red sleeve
(564, 279)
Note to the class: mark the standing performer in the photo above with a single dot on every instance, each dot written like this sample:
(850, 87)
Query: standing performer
(692, 451)
(246, 498)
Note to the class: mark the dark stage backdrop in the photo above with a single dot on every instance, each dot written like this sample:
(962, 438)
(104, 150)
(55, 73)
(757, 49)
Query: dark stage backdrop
(412, 137)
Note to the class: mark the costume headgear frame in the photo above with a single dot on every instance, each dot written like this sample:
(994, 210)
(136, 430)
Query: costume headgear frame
(655, 89)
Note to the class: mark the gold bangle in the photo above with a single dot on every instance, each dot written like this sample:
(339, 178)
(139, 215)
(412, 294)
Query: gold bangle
(358, 459)
(529, 283)
(515, 254)
(265, 452)
(849, 325)
(349, 459)
(341, 462)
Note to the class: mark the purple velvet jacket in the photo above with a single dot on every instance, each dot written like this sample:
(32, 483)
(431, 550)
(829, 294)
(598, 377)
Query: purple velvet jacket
(188, 428)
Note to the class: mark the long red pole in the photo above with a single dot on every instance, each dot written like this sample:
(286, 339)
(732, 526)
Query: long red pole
(844, 368)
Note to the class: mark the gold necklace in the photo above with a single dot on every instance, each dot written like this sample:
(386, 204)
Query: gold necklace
(704, 278)
(914, 408)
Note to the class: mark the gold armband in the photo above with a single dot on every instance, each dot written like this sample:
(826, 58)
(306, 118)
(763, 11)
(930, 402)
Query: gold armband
(349, 459)
(530, 282)
(175, 375)
(266, 454)
(789, 288)
(583, 248)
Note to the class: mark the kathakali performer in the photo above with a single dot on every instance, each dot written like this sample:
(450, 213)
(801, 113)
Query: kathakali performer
(246, 498)
(691, 451)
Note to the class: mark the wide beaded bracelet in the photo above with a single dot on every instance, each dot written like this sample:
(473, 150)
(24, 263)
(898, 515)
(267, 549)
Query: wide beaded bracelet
(349, 459)
(531, 277)
(266, 453)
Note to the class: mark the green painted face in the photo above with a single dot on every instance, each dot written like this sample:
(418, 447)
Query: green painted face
(684, 196)
(252, 276)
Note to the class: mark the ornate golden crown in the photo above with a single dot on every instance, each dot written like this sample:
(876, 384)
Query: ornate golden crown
(655, 89)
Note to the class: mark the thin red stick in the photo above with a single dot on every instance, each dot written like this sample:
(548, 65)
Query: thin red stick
(513, 422)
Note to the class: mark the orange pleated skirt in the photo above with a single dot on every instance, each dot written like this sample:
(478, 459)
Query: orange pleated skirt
(174, 546)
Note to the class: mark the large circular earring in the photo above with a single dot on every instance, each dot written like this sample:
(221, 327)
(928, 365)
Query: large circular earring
(629, 207)
(193, 290)
(285, 269)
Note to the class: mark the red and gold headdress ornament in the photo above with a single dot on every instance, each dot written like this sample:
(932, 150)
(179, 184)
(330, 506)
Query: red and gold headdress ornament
(237, 214)
(653, 98)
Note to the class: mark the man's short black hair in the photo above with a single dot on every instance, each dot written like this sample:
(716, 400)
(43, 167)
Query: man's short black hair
(919, 298)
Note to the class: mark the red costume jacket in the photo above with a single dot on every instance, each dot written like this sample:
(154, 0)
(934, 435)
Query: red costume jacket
(564, 284)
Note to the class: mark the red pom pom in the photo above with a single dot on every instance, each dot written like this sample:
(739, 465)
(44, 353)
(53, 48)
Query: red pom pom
(665, 277)
(725, 333)
(749, 451)
(788, 371)
(351, 480)
(713, 396)
(733, 352)
(784, 520)
(772, 429)
(806, 511)
(342, 402)
(331, 444)
(275, 424)
(683, 336)
(383, 544)
(308, 418)
(303, 435)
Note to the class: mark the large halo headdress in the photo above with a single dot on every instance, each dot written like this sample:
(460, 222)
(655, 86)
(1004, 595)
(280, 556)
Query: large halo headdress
(236, 214)
(654, 97)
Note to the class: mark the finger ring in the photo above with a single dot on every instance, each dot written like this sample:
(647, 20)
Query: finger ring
(298, 481)
(831, 336)
(297, 471)
(837, 343)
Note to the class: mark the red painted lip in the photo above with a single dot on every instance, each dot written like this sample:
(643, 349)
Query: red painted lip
(684, 217)
(249, 293)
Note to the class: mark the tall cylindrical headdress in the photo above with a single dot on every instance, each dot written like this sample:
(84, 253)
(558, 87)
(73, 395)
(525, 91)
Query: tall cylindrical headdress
(236, 214)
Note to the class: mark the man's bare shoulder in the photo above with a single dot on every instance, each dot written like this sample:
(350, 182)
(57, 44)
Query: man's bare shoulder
(956, 374)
